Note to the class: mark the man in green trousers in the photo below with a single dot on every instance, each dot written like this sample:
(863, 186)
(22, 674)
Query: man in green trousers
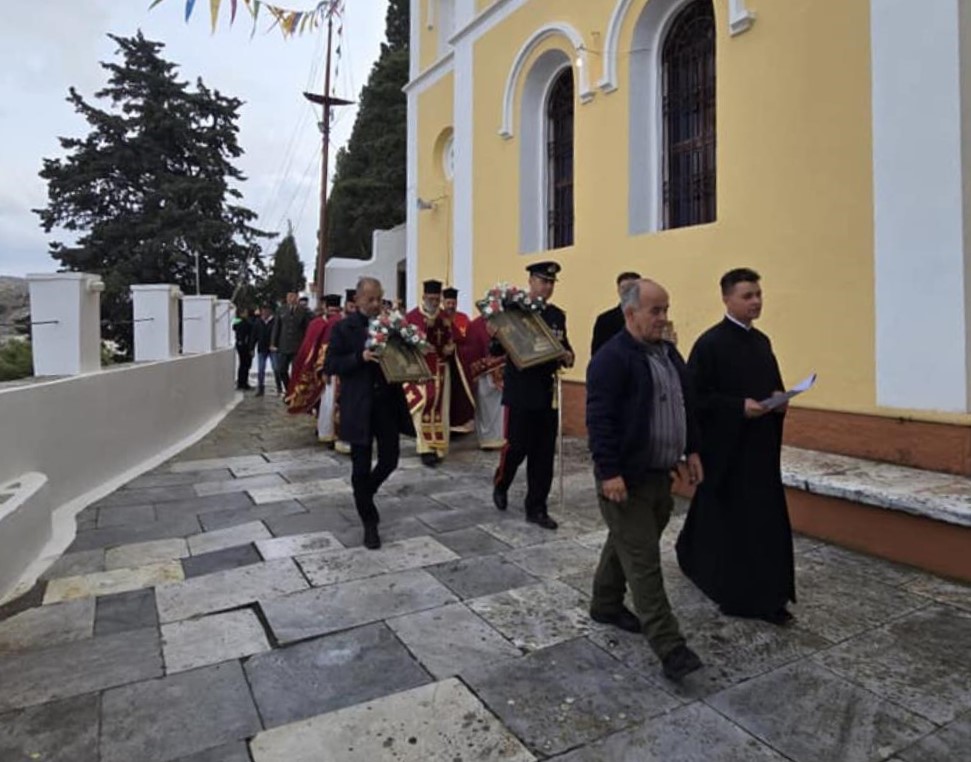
(641, 423)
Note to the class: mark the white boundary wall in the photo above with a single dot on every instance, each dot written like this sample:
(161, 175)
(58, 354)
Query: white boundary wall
(90, 434)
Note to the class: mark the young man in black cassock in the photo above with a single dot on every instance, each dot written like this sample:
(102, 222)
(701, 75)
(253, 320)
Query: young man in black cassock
(736, 544)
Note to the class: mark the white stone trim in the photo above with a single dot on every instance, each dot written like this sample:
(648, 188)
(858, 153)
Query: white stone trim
(432, 74)
(411, 204)
(920, 198)
(560, 28)
(430, 14)
(740, 19)
(414, 44)
(463, 133)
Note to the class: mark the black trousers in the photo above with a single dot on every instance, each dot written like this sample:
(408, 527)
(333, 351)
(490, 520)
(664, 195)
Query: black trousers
(530, 436)
(245, 361)
(284, 361)
(365, 480)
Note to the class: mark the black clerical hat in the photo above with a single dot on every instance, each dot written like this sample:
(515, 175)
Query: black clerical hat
(332, 300)
(450, 293)
(545, 270)
(350, 294)
(432, 287)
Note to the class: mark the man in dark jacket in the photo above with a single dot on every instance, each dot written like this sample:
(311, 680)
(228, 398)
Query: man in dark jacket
(371, 408)
(611, 322)
(262, 335)
(291, 324)
(531, 419)
(641, 422)
(243, 329)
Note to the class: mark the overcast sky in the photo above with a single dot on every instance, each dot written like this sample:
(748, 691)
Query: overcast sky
(48, 45)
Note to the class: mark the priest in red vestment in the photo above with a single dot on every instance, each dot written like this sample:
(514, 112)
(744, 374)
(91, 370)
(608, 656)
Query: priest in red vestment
(462, 407)
(428, 402)
(310, 390)
(484, 373)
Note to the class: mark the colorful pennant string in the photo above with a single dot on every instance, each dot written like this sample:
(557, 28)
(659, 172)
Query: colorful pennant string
(291, 22)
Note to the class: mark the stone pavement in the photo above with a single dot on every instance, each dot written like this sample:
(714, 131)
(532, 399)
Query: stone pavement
(221, 609)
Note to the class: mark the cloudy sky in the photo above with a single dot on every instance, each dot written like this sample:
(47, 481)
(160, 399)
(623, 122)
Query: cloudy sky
(48, 45)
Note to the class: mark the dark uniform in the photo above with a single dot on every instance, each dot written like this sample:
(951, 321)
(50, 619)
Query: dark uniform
(531, 418)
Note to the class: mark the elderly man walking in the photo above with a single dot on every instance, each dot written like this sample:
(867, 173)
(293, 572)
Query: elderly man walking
(640, 420)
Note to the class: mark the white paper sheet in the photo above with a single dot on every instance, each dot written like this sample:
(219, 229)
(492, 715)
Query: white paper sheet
(778, 400)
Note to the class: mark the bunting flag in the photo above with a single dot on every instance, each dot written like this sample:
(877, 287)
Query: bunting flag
(291, 22)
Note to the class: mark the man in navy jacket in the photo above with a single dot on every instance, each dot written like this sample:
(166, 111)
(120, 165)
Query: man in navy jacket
(641, 423)
(371, 408)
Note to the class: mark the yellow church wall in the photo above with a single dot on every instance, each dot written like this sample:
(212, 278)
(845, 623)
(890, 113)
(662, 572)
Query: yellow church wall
(434, 225)
(427, 39)
(794, 188)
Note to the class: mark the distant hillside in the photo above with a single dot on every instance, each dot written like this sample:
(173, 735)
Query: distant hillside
(14, 304)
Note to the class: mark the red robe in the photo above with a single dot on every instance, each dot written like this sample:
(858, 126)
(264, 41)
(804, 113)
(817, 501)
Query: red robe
(475, 356)
(462, 403)
(426, 398)
(306, 382)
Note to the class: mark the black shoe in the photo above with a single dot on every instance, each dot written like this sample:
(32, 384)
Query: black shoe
(680, 662)
(624, 619)
(780, 618)
(259, 392)
(371, 539)
(501, 498)
(429, 459)
(542, 519)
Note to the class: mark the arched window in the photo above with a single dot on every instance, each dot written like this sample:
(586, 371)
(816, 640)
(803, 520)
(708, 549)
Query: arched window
(559, 161)
(688, 109)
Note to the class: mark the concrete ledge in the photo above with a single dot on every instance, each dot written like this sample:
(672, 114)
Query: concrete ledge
(25, 524)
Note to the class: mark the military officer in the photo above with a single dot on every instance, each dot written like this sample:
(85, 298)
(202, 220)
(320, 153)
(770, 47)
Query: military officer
(531, 415)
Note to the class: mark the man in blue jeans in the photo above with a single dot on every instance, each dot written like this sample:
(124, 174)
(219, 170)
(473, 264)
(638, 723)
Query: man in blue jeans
(641, 422)
(262, 335)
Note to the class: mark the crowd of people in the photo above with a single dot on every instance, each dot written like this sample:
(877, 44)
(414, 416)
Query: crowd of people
(651, 417)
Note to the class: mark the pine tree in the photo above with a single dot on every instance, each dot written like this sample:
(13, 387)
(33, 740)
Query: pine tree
(151, 186)
(370, 178)
(286, 273)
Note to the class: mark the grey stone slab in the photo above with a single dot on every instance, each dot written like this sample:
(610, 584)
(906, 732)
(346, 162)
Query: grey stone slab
(125, 611)
(71, 669)
(304, 523)
(161, 720)
(943, 591)
(349, 604)
(556, 559)
(352, 536)
(694, 733)
(298, 454)
(220, 560)
(733, 650)
(86, 524)
(73, 564)
(880, 569)
(287, 467)
(163, 479)
(471, 541)
(302, 489)
(212, 464)
(230, 752)
(343, 564)
(125, 515)
(197, 506)
(451, 639)
(330, 673)
(240, 484)
(837, 601)
(165, 527)
(212, 520)
(114, 581)
(464, 499)
(312, 473)
(143, 553)
(443, 722)
(48, 625)
(228, 589)
(297, 545)
(949, 744)
(919, 662)
(812, 715)
(480, 575)
(456, 518)
(569, 694)
(62, 731)
(230, 537)
(137, 497)
(521, 534)
(332, 503)
(212, 639)
(536, 616)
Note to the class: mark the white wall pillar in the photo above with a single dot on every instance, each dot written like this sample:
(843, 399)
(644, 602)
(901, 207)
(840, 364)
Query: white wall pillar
(223, 313)
(155, 310)
(462, 185)
(65, 315)
(198, 331)
(921, 182)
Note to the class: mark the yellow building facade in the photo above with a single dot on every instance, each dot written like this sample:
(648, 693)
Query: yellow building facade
(837, 170)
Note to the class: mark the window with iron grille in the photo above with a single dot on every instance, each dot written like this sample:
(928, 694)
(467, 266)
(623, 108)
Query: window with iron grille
(688, 64)
(559, 161)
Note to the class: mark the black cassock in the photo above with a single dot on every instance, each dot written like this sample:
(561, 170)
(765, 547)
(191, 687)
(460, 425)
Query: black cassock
(736, 544)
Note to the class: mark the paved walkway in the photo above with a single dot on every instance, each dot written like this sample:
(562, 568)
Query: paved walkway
(221, 609)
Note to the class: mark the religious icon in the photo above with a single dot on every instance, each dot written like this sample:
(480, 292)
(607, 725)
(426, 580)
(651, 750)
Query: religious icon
(402, 363)
(526, 338)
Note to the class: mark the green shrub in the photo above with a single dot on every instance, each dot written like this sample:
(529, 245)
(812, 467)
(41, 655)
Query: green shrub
(16, 360)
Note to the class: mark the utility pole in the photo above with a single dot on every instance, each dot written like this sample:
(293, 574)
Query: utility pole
(327, 101)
